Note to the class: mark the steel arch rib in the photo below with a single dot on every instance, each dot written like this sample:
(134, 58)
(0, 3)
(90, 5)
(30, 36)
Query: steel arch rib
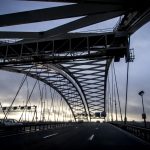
(105, 85)
(66, 73)
(78, 86)
(92, 76)
(37, 76)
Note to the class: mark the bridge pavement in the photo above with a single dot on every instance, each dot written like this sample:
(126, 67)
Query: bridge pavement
(82, 136)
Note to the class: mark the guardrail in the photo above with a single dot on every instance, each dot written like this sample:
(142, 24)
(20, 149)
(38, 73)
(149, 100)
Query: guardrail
(30, 127)
(140, 132)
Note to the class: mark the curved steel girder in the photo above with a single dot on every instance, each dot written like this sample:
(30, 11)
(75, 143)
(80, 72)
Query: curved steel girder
(65, 75)
(64, 71)
(92, 76)
(44, 81)
(105, 85)
(79, 87)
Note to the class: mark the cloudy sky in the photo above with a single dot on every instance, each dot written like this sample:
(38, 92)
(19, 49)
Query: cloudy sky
(139, 73)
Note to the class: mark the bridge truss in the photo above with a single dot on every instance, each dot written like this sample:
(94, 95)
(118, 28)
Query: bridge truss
(74, 64)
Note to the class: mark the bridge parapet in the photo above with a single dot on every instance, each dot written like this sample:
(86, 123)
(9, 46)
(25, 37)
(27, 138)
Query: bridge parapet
(140, 132)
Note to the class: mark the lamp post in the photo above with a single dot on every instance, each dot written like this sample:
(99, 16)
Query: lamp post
(141, 93)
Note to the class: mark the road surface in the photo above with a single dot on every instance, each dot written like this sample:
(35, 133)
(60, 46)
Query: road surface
(83, 136)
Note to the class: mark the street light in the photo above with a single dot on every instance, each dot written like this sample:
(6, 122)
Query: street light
(141, 93)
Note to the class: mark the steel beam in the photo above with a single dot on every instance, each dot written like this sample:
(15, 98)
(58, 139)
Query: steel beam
(91, 47)
(92, 1)
(63, 29)
(80, 23)
(61, 12)
(135, 20)
(51, 80)
(91, 74)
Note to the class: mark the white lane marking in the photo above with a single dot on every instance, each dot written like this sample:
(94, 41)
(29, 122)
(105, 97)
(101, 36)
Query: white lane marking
(45, 137)
(11, 135)
(91, 137)
(25, 132)
(96, 128)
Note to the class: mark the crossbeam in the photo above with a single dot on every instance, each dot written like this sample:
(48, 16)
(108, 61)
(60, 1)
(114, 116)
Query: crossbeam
(91, 46)
(61, 12)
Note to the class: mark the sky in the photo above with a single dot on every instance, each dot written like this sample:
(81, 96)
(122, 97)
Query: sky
(139, 72)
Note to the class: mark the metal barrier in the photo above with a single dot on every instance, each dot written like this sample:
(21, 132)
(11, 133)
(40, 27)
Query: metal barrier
(45, 126)
(140, 132)
(32, 127)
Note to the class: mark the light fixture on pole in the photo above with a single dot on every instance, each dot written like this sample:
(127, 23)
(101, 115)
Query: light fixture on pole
(141, 93)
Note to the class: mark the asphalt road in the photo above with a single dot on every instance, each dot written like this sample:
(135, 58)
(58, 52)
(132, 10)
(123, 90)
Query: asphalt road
(83, 136)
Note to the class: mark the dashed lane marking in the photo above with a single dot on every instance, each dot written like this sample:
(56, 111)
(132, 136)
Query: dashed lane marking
(91, 137)
(45, 137)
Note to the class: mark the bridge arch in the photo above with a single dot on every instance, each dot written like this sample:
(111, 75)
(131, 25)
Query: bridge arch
(61, 81)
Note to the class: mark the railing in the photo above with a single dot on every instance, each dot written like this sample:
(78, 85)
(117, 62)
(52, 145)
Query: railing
(44, 126)
(32, 127)
(105, 30)
(140, 132)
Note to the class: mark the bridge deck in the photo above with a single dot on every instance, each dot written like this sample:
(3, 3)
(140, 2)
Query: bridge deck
(82, 136)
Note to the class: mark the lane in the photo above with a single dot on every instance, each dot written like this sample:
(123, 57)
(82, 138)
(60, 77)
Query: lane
(26, 140)
(76, 138)
(66, 138)
(108, 136)
(83, 136)
(94, 136)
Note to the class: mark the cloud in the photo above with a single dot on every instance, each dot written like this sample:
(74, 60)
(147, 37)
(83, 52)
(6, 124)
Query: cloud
(139, 73)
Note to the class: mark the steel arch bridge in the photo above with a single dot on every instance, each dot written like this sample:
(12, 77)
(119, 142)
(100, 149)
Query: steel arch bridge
(74, 64)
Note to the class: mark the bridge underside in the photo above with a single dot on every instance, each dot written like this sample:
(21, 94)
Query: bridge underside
(74, 64)
(76, 67)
